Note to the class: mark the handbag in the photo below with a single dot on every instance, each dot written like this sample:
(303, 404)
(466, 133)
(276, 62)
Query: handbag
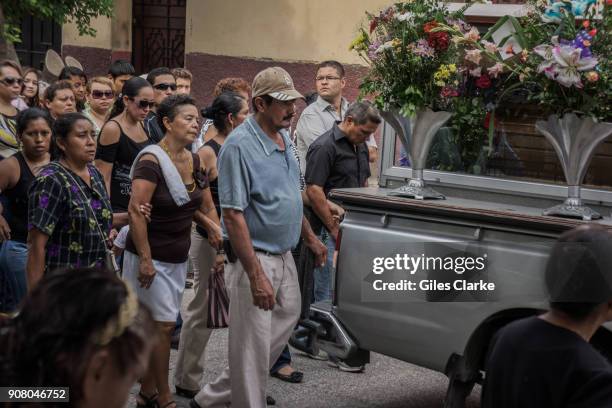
(218, 302)
(110, 263)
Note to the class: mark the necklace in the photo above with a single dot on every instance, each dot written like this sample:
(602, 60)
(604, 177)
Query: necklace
(165, 147)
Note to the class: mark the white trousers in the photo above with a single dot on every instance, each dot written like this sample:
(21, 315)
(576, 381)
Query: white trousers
(256, 337)
(195, 334)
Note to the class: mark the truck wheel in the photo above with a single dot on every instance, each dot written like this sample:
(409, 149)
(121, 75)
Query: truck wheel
(457, 393)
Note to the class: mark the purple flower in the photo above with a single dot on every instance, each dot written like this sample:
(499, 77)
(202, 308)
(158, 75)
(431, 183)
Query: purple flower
(53, 250)
(30, 226)
(74, 189)
(96, 204)
(44, 201)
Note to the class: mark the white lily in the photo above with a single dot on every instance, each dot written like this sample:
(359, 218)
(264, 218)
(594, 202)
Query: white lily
(570, 64)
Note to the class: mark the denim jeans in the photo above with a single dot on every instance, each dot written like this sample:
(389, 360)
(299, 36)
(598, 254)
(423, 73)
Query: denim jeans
(323, 276)
(283, 360)
(13, 286)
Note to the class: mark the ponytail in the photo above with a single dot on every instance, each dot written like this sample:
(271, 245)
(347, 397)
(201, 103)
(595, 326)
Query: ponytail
(131, 87)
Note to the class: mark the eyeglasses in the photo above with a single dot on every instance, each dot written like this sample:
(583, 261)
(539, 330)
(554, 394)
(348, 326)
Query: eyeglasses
(10, 81)
(326, 78)
(164, 86)
(102, 94)
(143, 103)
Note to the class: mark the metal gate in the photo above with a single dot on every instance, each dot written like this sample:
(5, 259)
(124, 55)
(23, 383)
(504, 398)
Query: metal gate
(37, 36)
(158, 38)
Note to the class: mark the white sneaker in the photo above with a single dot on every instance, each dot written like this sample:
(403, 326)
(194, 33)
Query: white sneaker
(342, 366)
(321, 356)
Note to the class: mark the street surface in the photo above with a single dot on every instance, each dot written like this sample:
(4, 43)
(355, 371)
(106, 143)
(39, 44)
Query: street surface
(386, 383)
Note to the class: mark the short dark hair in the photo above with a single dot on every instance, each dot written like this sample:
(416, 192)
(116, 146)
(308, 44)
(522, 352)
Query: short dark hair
(62, 127)
(363, 112)
(158, 72)
(69, 71)
(579, 270)
(169, 107)
(266, 98)
(28, 115)
(52, 89)
(121, 67)
(333, 64)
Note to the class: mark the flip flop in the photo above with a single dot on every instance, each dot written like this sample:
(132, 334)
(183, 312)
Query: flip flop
(295, 377)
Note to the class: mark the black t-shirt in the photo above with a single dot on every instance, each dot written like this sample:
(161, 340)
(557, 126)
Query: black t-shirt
(122, 155)
(334, 162)
(533, 363)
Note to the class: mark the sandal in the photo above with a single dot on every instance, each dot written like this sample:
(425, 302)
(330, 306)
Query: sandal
(147, 402)
(295, 377)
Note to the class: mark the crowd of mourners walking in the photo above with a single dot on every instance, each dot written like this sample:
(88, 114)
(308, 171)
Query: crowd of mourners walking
(114, 188)
(121, 181)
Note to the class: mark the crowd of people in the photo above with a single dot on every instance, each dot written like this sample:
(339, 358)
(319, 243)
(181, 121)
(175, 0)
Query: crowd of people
(124, 175)
(128, 165)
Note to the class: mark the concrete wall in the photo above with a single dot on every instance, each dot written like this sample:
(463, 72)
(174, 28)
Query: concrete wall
(285, 30)
(113, 40)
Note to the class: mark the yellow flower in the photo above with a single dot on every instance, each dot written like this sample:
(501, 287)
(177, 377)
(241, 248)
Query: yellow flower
(452, 68)
(360, 42)
(396, 43)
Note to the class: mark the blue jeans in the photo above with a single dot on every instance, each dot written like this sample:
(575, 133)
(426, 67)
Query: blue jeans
(323, 276)
(283, 360)
(13, 285)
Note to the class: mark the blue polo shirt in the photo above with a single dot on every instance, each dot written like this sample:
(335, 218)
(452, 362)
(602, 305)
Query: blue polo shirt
(262, 181)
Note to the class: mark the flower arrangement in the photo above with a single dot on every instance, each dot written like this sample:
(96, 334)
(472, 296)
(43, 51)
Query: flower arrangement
(569, 64)
(407, 55)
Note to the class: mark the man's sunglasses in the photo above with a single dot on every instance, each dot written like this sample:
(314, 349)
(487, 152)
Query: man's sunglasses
(10, 81)
(102, 94)
(164, 86)
(143, 104)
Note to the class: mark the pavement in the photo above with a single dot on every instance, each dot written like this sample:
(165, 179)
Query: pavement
(386, 382)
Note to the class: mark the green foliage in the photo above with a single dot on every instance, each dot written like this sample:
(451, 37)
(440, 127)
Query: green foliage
(404, 51)
(60, 11)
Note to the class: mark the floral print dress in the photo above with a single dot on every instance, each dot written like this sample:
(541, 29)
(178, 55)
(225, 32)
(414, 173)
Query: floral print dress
(70, 215)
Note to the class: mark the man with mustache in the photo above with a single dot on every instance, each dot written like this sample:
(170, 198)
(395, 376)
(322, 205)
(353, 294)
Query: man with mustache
(262, 217)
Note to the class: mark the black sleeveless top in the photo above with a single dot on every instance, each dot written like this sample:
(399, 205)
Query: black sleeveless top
(18, 201)
(121, 154)
(214, 186)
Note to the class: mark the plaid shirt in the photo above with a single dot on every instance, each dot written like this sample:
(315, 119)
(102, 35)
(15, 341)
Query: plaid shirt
(70, 216)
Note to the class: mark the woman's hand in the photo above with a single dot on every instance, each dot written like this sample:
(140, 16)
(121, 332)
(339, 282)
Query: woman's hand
(215, 238)
(145, 209)
(146, 273)
(219, 263)
(5, 230)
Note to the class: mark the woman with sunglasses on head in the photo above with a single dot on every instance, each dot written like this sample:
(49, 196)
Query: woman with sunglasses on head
(30, 91)
(16, 174)
(120, 141)
(100, 97)
(10, 81)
